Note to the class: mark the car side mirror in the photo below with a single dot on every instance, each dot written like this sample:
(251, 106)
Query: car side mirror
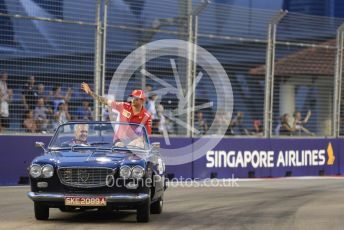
(39, 144)
(155, 147)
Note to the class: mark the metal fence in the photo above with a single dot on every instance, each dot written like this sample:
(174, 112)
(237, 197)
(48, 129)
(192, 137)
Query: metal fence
(285, 69)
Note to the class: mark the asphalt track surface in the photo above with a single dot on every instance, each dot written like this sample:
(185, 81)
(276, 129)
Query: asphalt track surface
(311, 203)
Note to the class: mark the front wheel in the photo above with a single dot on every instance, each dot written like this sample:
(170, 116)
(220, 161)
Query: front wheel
(41, 211)
(143, 212)
(156, 207)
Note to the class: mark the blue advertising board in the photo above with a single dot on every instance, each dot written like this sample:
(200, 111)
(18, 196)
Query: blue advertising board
(271, 158)
(232, 157)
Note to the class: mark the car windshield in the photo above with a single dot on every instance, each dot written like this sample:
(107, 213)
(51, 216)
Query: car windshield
(100, 135)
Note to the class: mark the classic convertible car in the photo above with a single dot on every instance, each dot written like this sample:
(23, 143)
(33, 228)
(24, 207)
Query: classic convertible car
(98, 165)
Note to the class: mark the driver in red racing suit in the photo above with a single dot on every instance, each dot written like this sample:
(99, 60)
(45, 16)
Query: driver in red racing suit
(133, 112)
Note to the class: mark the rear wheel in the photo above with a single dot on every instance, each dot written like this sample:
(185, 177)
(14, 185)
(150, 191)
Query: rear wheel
(41, 211)
(156, 207)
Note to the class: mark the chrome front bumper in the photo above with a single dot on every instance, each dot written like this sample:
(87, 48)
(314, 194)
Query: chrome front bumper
(112, 198)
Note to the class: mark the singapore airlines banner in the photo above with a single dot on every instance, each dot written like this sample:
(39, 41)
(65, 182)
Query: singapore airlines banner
(238, 157)
(271, 158)
(268, 159)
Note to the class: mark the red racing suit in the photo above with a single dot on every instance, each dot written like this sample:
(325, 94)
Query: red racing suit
(126, 114)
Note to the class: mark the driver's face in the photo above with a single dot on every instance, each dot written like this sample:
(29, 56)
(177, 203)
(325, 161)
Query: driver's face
(137, 102)
(82, 133)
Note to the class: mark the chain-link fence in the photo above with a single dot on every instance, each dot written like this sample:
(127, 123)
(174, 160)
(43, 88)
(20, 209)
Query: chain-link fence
(285, 69)
(47, 49)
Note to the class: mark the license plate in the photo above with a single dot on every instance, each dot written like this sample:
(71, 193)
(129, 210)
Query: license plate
(85, 201)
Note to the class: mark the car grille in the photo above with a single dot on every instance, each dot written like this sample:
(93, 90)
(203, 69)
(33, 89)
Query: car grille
(84, 177)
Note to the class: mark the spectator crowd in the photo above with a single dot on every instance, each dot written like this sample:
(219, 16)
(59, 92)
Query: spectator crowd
(43, 110)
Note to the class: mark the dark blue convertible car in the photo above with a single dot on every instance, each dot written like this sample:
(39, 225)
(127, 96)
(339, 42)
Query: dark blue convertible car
(98, 165)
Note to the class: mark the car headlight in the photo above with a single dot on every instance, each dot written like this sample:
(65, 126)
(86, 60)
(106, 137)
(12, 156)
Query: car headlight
(35, 171)
(125, 172)
(47, 171)
(137, 172)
